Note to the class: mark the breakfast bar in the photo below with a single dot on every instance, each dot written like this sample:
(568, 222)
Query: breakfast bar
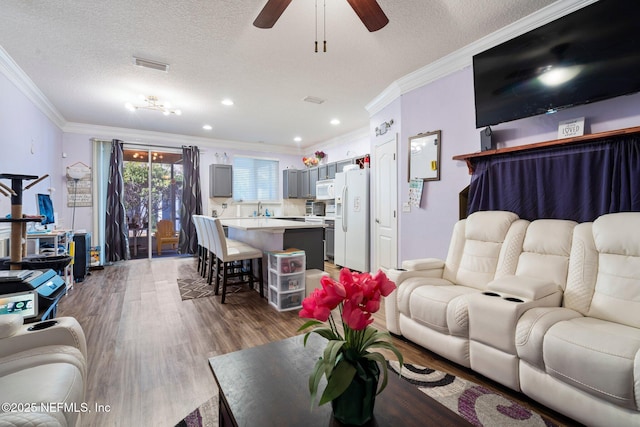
(271, 234)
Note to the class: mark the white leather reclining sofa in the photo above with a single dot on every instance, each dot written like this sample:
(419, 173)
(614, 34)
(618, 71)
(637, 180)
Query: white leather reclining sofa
(550, 308)
(43, 372)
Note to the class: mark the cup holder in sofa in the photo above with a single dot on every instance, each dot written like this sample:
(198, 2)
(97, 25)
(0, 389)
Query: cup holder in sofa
(491, 294)
(513, 299)
(43, 325)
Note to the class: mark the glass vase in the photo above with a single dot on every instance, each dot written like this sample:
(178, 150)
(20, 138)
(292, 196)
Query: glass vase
(355, 405)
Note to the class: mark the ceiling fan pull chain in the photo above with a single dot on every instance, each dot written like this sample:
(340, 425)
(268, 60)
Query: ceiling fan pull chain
(324, 23)
(316, 26)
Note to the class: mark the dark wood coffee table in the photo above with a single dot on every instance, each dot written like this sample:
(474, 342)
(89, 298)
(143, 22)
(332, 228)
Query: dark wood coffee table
(268, 386)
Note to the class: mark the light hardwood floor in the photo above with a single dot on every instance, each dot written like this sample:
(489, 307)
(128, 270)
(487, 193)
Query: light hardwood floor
(148, 349)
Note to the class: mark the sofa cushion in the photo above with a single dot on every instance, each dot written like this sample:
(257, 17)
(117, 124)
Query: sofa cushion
(547, 243)
(617, 292)
(441, 308)
(596, 356)
(57, 383)
(484, 234)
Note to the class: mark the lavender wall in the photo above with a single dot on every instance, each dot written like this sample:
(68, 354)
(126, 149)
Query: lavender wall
(29, 144)
(448, 105)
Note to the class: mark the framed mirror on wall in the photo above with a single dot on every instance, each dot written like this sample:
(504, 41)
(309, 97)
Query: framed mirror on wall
(424, 156)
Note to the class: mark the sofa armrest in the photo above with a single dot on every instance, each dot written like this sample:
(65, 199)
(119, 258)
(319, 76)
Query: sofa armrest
(58, 331)
(531, 329)
(423, 264)
(399, 277)
(529, 288)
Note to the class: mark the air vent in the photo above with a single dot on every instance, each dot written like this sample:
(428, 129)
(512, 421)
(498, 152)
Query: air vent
(154, 65)
(313, 99)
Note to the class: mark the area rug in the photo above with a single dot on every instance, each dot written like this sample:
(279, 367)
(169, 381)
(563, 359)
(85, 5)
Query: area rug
(195, 287)
(206, 415)
(473, 402)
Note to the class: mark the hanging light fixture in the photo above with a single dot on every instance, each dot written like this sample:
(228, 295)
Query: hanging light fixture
(152, 103)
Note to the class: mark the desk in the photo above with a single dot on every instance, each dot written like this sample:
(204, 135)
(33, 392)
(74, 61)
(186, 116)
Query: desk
(58, 236)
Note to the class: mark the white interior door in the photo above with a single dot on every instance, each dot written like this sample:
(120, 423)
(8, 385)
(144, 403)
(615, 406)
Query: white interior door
(385, 222)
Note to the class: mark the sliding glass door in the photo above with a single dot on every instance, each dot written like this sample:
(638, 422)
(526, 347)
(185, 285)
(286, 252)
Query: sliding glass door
(153, 190)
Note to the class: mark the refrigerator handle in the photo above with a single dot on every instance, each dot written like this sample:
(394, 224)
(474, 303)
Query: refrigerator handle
(344, 208)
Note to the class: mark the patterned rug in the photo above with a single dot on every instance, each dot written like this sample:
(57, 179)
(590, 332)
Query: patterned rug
(473, 402)
(195, 287)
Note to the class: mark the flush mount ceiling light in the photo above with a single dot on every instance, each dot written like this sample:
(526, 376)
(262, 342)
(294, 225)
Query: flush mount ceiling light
(297, 139)
(152, 103)
(335, 122)
(207, 127)
(227, 102)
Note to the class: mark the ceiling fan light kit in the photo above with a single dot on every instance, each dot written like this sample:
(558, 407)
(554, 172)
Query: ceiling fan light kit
(152, 103)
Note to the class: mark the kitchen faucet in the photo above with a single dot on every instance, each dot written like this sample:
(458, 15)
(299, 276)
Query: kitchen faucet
(259, 208)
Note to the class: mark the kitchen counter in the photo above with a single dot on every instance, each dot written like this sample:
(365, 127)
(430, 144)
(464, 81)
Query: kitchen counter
(271, 225)
(271, 234)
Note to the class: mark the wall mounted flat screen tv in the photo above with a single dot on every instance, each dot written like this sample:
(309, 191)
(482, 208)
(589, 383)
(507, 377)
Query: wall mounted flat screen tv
(589, 55)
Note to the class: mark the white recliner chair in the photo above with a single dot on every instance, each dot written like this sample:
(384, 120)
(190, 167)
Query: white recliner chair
(43, 371)
(429, 307)
(583, 359)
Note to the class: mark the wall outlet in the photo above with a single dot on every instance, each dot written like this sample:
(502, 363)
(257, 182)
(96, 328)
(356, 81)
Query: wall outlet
(406, 207)
(214, 213)
(224, 206)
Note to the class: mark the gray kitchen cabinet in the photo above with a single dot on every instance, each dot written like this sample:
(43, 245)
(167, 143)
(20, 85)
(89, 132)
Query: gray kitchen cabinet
(304, 191)
(323, 172)
(342, 163)
(331, 170)
(314, 174)
(290, 183)
(220, 180)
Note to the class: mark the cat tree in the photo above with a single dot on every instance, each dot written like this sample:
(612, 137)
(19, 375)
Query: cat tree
(18, 221)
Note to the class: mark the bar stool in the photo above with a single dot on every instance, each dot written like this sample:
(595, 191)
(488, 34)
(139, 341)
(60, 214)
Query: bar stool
(228, 257)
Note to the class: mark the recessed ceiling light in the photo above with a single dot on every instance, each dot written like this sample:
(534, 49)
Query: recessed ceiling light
(227, 101)
(335, 122)
(297, 139)
(207, 127)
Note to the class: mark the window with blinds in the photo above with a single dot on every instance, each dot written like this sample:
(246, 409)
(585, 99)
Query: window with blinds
(255, 179)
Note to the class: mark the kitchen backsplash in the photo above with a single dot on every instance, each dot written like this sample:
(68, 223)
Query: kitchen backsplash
(288, 207)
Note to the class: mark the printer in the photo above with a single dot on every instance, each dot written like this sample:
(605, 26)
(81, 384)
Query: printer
(33, 293)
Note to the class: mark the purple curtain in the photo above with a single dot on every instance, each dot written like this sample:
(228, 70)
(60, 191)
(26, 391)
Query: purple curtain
(191, 203)
(116, 243)
(577, 182)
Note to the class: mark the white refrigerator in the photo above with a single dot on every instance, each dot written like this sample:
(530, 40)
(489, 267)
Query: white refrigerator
(352, 219)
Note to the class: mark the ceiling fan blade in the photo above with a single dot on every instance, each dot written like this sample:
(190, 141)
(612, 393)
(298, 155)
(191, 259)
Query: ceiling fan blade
(270, 13)
(370, 13)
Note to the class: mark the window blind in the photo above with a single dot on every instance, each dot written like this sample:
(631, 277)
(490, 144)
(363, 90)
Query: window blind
(255, 179)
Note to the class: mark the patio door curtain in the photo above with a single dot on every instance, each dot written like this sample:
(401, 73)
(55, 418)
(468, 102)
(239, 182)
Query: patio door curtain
(116, 232)
(191, 203)
(577, 182)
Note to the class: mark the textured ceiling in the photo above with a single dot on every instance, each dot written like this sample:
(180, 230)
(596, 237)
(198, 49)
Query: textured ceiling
(80, 55)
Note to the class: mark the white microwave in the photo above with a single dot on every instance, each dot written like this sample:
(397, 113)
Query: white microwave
(325, 190)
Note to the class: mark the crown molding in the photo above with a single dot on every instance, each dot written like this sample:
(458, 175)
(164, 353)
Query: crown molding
(463, 57)
(136, 136)
(12, 71)
(362, 133)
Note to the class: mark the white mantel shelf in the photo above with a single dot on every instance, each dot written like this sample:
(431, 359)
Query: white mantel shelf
(270, 225)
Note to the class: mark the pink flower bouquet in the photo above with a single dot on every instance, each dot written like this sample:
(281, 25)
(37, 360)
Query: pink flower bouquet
(357, 296)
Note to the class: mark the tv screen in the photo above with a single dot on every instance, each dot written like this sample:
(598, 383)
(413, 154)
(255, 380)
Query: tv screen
(589, 55)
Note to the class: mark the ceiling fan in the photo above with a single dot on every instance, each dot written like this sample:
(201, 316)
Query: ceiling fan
(368, 11)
